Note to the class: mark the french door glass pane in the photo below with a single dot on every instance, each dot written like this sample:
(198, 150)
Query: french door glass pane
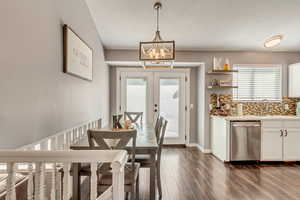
(136, 97)
(169, 104)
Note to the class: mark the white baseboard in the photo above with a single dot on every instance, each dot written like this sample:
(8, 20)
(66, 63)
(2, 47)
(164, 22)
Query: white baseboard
(199, 147)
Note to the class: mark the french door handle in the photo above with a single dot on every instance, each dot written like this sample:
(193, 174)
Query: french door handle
(281, 133)
(155, 110)
(286, 133)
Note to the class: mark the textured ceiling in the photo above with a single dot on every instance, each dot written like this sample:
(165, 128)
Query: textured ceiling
(199, 24)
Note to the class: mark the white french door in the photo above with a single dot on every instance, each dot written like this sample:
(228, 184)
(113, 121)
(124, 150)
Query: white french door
(136, 90)
(152, 92)
(170, 102)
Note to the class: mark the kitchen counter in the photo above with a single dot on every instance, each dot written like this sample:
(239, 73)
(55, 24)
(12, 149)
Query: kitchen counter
(265, 117)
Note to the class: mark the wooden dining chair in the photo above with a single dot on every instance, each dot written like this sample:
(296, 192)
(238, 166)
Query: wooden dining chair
(110, 139)
(145, 160)
(158, 126)
(134, 116)
(158, 157)
(156, 117)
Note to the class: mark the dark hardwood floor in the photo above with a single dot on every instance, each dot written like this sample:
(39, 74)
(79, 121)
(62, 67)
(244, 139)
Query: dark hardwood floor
(188, 174)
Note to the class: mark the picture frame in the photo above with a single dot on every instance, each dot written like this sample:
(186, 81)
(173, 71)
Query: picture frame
(77, 55)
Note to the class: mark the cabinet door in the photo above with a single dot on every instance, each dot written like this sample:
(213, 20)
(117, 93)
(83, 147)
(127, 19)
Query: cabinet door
(294, 81)
(291, 139)
(219, 137)
(272, 144)
(291, 145)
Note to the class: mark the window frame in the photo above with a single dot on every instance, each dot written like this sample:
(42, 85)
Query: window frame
(280, 66)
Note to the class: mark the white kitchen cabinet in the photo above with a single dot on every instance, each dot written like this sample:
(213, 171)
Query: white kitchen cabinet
(280, 140)
(291, 145)
(219, 142)
(271, 148)
(294, 81)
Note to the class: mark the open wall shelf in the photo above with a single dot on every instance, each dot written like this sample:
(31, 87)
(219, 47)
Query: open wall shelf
(222, 72)
(221, 87)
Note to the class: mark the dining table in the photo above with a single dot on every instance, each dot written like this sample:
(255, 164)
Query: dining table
(146, 144)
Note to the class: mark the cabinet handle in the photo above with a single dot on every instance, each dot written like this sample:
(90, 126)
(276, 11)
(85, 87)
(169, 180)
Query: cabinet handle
(286, 133)
(281, 133)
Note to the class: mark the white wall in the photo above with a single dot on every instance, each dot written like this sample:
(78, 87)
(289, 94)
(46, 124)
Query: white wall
(37, 98)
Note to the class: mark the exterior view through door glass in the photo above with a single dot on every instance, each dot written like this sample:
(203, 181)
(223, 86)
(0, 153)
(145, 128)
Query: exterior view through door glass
(169, 96)
(169, 105)
(136, 97)
(135, 93)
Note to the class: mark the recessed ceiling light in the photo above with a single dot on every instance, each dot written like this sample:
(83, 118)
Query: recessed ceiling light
(273, 41)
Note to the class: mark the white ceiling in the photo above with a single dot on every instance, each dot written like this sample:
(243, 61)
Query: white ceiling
(199, 24)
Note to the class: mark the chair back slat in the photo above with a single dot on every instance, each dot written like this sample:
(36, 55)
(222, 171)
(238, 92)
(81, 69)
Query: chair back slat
(158, 127)
(113, 139)
(161, 138)
(134, 116)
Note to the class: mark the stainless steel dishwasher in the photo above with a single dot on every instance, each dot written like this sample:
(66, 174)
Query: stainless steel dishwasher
(245, 140)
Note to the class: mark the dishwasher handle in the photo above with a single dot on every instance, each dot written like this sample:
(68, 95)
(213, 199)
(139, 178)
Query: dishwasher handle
(245, 124)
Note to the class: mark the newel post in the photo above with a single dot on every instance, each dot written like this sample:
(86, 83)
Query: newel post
(118, 178)
(39, 182)
(11, 181)
(93, 192)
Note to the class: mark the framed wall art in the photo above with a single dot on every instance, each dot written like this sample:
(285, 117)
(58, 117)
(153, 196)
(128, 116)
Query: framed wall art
(78, 56)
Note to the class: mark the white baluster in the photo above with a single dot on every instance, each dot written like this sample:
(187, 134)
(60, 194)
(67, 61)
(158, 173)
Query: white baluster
(53, 182)
(74, 135)
(93, 181)
(11, 181)
(30, 188)
(79, 132)
(67, 183)
(118, 181)
(85, 129)
(82, 132)
(39, 181)
(65, 145)
(67, 140)
(71, 137)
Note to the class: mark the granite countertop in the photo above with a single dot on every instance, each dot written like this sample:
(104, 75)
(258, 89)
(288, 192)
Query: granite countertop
(265, 117)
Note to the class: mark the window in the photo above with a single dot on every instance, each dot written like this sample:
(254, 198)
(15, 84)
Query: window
(257, 83)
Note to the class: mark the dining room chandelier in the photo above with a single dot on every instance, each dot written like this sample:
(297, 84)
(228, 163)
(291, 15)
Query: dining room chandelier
(157, 52)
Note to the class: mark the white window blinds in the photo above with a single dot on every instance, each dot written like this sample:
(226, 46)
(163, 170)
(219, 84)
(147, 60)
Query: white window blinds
(257, 83)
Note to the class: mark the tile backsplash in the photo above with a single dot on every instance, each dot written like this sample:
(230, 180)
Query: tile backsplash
(286, 107)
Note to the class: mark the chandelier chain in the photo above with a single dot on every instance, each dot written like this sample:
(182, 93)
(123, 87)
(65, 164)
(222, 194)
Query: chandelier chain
(157, 18)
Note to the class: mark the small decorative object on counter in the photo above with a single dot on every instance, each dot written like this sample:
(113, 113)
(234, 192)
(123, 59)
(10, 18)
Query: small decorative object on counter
(233, 111)
(239, 109)
(298, 109)
(116, 121)
(227, 82)
(227, 64)
(217, 63)
(214, 82)
(127, 124)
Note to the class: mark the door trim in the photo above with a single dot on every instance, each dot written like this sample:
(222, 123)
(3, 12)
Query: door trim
(187, 90)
